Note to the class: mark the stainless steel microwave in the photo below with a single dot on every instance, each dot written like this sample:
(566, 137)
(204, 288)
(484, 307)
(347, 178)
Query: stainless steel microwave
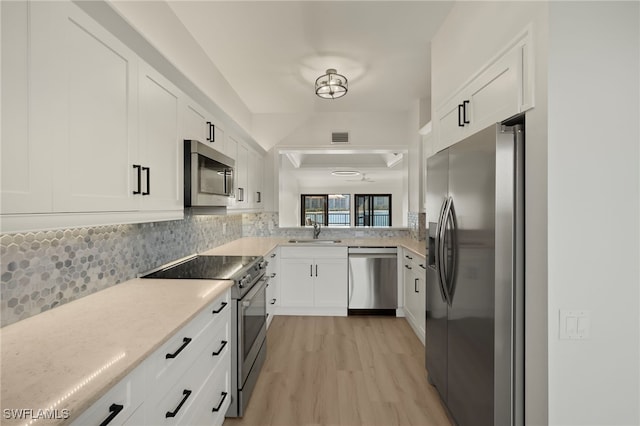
(208, 176)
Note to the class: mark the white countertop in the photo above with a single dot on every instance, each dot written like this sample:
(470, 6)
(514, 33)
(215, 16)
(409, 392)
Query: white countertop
(260, 246)
(68, 357)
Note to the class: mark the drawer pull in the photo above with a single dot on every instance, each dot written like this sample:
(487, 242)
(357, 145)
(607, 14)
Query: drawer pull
(173, 413)
(273, 275)
(185, 342)
(114, 409)
(217, 311)
(408, 267)
(224, 396)
(223, 344)
(273, 255)
(408, 257)
(273, 301)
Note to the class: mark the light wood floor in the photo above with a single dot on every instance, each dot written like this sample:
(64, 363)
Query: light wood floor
(345, 371)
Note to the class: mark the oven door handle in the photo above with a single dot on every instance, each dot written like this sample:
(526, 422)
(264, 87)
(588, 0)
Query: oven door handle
(260, 285)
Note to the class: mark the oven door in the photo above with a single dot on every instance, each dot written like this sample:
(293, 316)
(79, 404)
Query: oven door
(252, 327)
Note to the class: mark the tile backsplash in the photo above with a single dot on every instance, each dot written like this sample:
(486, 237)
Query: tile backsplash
(44, 269)
(417, 225)
(41, 270)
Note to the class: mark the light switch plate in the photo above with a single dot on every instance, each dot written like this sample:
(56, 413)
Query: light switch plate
(575, 324)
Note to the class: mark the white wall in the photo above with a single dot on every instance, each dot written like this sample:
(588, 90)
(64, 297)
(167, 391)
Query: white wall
(365, 129)
(473, 33)
(289, 195)
(155, 21)
(594, 192)
(414, 157)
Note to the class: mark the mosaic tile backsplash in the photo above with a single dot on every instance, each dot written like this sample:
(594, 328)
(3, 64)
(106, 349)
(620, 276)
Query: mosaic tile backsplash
(417, 225)
(42, 270)
(45, 269)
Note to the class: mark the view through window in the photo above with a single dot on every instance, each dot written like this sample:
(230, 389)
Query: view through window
(372, 210)
(326, 209)
(335, 210)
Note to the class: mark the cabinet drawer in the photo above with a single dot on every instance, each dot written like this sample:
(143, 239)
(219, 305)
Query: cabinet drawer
(313, 252)
(173, 358)
(213, 400)
(180, 402)
(119, 403)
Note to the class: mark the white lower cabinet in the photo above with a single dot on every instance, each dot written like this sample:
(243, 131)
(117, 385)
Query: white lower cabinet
(414, 284)
(313, 281)
(119, 403)
(184, 382)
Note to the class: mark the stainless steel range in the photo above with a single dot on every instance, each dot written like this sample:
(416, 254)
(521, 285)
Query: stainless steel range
(248, 313)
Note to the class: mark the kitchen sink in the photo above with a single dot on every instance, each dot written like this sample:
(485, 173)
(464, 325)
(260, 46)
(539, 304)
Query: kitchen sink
(311, 241)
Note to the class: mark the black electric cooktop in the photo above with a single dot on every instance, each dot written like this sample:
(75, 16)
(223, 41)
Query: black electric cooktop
(206, 267)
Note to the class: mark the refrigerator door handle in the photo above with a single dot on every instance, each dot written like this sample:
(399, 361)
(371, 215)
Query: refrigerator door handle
(440, 250)
(453, 242)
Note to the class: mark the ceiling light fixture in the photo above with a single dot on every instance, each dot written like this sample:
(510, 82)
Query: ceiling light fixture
(345, 173)
(331, 85)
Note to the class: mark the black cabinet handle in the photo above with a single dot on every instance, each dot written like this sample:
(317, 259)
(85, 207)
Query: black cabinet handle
(240, 194)
(310, 270)
(209, 126)
(139, 168)
(273, 301)
(224, 396)
(460, 122)
(415, 285)
(273, 275)
(148, 170)
(316, 269)
(173, 413)
(408, 267)
(217, 311)
(212, 132)
(464, 112)
(422, 266)
(258, 197)
(114, 409)
(223, 344)
(408, 257)
(272, 255)
(185, 342)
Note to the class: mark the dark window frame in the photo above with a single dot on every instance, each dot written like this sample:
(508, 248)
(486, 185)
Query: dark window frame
(325, 214)
(371, 215)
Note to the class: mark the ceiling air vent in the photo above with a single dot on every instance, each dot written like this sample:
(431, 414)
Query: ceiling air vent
(340, 137)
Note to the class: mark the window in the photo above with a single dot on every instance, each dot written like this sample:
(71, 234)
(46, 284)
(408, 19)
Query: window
(326, 209)
(372, 209)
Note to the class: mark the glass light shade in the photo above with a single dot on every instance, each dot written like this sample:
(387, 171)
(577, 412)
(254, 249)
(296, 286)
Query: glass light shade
(331, 85)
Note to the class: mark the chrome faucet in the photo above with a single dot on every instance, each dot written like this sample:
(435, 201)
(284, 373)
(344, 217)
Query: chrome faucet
(316, 230)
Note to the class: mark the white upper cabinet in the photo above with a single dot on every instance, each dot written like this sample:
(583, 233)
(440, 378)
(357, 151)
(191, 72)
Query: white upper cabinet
(161, 147)
(84, 98)
(201, 126)
(502, 89)
(25, 162)
(195, 122)
(256, 177)
(88, 127)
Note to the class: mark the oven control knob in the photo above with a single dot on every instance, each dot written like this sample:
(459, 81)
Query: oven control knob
(245, 280)
(263, 264)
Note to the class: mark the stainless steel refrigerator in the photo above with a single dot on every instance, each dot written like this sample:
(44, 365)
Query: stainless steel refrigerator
(475, 281)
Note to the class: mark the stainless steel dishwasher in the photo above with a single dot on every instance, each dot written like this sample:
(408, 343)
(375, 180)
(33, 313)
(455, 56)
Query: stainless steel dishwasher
(373, 280)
